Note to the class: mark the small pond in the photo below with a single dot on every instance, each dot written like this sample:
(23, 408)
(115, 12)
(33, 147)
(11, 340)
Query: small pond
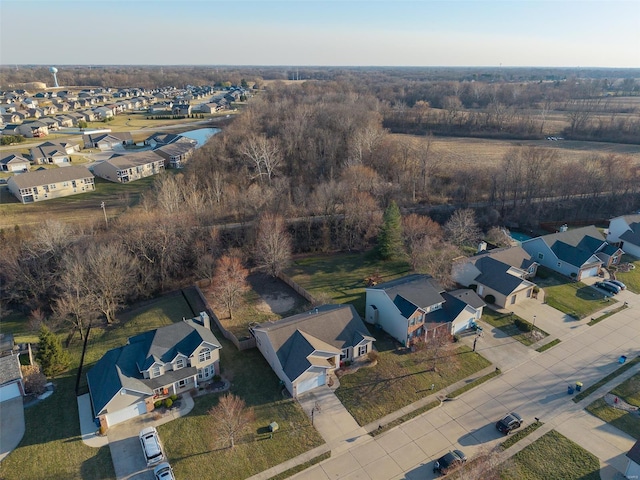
(200, 135)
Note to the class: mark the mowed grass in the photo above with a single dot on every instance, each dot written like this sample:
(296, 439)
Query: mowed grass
(573, 298)
(631, 278)
(553, 456)
(506, 323)
(401, 378)
(192, 449)
(52, 447)
(628, 422)
(341, 277)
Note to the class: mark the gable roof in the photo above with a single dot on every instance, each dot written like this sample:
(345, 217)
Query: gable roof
(329, 328)
(498, 276)
(52, 175)
(451, 308)
(575, 247)
(469, 297)
(13, 158)
(418, 289)
(634, 453)
(515, 256)
(131, 160)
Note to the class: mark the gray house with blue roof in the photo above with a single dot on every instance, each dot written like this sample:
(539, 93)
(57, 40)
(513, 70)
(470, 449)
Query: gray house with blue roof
(579, 253)
(416, 307)
(624, 231)
(303, 350)
(169, 360)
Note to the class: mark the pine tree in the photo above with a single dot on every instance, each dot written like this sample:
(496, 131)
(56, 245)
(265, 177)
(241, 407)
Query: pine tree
(52, 357)
(390, 239)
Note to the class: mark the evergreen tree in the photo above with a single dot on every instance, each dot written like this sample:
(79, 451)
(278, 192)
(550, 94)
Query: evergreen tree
(52, 357)
(390, 243)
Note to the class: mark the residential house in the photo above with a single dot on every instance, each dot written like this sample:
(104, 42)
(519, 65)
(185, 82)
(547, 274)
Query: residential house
(13, 163)
(160, 139)
(633, 467)
(181, 109)
(52, 123)
(64, 121)
(51, 183)
(578, 253)
(504, 274)
(35, 112)
(416, 307)
(624, 232)
(209, 107)
(53, 153)
(11, 383)
(177, 153)
(107, 141)
(164, 108)
(169, 360)
(33, 129)
(303, 350)
(130, 167)
(103, 112)
(10, 118)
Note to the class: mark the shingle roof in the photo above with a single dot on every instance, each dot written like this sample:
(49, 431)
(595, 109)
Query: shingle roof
(515, 256)
(327, 328)
(570, 254)
(13, 158)
(52, 175)
(451, 308)
(9, 369)
(421, 290)
(131, 160)
(495, 275)
(634, 453)
(575, 236)
(468, 296)
(575, 247)
(632, 236)
(176, 149)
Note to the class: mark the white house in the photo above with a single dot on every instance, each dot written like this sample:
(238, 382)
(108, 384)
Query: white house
(305, 349)
(624, 231)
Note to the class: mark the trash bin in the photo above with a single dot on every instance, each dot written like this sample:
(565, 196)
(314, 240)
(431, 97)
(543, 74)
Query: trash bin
(578, 386)
(570, 390)
(273, 426)
(622, 359)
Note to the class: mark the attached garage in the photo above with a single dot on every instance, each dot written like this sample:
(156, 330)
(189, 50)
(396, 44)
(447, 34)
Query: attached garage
(311, 383)
(125, 414)
(590, 272)
(7, 392)
(461, 325)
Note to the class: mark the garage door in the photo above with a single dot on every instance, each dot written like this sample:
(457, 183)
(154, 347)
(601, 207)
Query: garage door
(461, 325)
(311, 383)
(125, 414)
(592, 272)
(8, 392)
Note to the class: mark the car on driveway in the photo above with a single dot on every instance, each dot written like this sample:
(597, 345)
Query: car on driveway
(606, 287)
(509, 423)
(163, 472)
(618, 283)
(151, 446)
(449, 461)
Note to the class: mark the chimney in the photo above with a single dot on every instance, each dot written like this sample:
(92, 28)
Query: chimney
(204, 320)
(482, 246)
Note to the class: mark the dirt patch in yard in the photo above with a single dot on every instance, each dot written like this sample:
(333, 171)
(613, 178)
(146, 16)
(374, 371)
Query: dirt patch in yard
(275, 296)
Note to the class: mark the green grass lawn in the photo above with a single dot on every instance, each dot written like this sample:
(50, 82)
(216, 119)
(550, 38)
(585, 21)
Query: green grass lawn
(188, 441)
(629, 391)
(52, 447)
(573, 298)
(402, 378)
(553, 456)
(631, 278)
(505, 322)
(341, 277)
(520, 434)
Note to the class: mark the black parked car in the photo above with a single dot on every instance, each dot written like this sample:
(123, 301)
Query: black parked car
(607, 288)
(449, 461)
(509, 423)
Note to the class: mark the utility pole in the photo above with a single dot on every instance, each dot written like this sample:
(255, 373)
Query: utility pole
(104, 210)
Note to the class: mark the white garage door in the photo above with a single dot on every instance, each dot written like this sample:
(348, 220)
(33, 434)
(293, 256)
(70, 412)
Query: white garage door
(8, 392)
(461, 325)
(310, 383)
(592, 272)
(125, 414)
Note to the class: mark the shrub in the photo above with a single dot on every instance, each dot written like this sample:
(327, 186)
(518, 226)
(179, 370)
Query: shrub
(173, 397)
(158, 403)
(490, 299)
(373, 356)
(34, 379)
(168, 403)
(216, 378)
(522, 325)
(456, 338)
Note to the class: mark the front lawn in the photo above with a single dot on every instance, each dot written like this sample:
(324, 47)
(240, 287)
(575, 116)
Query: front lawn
(631, 278)
(573, 298)
(340, 278)
(401, 378)
(628, 422)
(188, 440)
(506, 323)
(553, 456)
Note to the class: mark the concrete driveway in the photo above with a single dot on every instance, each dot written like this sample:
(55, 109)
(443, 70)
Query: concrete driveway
(11, 425)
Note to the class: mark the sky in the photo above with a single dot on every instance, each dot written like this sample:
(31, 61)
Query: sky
(552, 33)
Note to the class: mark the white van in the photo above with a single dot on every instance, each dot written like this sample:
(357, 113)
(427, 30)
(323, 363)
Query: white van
(151, 446)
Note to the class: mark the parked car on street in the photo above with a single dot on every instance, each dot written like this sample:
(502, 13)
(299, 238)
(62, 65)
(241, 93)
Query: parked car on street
(449, 461)
(151, 446)
(606, 287)
(164, 472)
(618, 283)
(509, 423)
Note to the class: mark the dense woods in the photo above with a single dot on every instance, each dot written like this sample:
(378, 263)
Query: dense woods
(312, 166)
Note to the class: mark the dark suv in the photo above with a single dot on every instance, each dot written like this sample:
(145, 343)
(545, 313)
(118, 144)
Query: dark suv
(449, 461)
(509, 423)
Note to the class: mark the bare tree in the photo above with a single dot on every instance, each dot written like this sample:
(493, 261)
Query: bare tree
(230, 281)
(263, 155)
(498, 236)
(434, 257)
(462, 228)
(273, 244)
(230, 419)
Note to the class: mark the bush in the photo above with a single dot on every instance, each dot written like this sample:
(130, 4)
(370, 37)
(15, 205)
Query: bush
(373, 356)
(216, 378)
(490, 299)
(456, 338)
(522, 325)
(173, 397)
(168, 403)
(34, 379)
(158, 403)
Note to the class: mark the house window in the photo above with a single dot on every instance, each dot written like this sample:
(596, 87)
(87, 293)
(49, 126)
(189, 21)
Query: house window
(155, 371)
(362, 350)
(182, 383)
(179, 363)
(205, 354)
(541, 256)
(344, 354)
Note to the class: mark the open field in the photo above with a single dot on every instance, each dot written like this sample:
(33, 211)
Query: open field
(553, 456)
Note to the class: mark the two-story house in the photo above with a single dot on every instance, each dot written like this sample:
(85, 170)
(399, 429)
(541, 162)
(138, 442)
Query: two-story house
(169, 360)
(624, 231)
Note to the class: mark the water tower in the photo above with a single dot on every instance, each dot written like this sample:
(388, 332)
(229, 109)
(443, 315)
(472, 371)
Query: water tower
(54, 70)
